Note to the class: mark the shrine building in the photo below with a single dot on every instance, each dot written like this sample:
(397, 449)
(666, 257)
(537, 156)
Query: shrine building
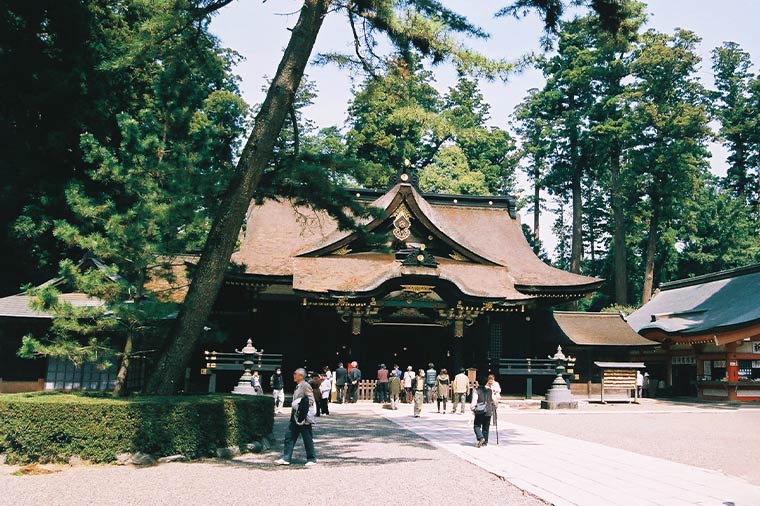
(709, 330)
(456, 283)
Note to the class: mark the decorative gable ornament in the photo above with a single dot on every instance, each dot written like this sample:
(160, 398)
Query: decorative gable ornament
(402, 223)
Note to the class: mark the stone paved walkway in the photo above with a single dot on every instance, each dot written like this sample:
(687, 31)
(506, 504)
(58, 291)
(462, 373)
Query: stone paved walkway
(568, 471)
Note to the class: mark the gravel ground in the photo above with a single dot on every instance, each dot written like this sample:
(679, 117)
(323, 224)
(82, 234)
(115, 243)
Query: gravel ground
(364, 460)
(715, 437)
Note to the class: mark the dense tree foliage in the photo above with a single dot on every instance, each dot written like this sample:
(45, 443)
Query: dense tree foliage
(145, 179)
(618, 135)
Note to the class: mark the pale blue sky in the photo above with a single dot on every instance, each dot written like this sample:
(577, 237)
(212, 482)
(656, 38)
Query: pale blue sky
(258, 31)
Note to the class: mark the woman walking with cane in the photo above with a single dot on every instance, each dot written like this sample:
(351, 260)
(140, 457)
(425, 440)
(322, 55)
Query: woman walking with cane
(483, 407)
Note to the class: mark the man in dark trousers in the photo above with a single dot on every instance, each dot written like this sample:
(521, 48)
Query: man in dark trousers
(354, 377)
(301, 418)
(382, 384)
(430, 375)
(483, 407)
(341, 375)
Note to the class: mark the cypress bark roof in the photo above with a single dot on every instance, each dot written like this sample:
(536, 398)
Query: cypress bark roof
(598, 329)
(489, 256)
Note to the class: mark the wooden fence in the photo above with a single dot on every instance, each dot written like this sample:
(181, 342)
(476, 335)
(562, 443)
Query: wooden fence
(15, 387)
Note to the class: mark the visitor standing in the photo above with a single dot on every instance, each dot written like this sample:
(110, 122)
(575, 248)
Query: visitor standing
(460, 387)
(277, 382)
(394, 390)
(329, 376)
(382, 384)
(396, 371)
(302, 415)
(442, 383)
(494, 387)
(408, 381)
(430, 376)
(639, 383)
(316, 383)
(419, 389)
(256, 383)
(341, 376)
(482, 406)
(324, 393)
(354, 377)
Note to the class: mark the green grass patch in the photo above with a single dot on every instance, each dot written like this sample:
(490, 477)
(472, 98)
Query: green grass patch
(51, 427)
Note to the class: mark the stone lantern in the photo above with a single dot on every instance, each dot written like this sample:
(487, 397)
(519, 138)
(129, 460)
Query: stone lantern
(244, 383)
(559, 396)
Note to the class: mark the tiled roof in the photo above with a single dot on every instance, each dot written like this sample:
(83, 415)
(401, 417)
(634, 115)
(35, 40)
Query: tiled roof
(707, 304)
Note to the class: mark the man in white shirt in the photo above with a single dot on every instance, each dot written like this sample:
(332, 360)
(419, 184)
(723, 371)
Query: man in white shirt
(408, 379)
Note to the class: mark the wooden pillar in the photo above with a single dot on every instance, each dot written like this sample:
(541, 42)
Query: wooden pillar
(458, 358)
(732, 369)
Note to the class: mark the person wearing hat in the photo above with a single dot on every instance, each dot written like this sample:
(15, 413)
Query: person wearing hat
(460, 386)
(302, 416)
(430, 376)
(277, 382)
(408, 383)
(382, 384)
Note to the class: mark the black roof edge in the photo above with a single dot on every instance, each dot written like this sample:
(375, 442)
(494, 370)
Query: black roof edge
(714, 276)
(507, 202)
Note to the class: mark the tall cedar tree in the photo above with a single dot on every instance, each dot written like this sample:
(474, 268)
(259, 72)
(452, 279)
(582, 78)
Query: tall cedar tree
(733, 107)
(670, 134)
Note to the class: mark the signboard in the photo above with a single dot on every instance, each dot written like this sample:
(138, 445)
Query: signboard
(683, 360)
(756, 347)
(707, 366)
(756, 364)
(720, 364)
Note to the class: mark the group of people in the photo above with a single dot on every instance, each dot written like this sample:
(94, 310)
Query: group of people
(311, 398)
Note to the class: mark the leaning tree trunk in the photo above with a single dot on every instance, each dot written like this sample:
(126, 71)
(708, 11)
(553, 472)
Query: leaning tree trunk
(654, 225)
(618, 238)
(121, 377)
(220, 243)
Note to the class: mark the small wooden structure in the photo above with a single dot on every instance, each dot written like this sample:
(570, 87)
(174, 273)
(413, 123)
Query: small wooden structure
(620, 376)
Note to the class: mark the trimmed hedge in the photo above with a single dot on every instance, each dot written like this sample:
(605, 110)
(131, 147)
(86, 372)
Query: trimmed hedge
(51, 427)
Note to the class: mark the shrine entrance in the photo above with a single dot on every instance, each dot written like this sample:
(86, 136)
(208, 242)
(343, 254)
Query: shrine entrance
(415, 345)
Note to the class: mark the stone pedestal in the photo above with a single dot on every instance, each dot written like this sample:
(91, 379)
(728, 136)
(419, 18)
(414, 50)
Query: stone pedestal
(559, 396)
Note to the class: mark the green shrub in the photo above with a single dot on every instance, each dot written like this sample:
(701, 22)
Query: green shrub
(51, 427)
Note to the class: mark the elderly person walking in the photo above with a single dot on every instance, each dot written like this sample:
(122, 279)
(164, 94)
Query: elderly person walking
(483, 407)
(302, 416)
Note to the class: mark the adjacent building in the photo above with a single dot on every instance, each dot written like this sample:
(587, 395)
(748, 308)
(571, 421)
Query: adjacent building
(709, 330)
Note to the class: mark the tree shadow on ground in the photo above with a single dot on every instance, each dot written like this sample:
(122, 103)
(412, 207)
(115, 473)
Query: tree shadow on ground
(342, 440)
